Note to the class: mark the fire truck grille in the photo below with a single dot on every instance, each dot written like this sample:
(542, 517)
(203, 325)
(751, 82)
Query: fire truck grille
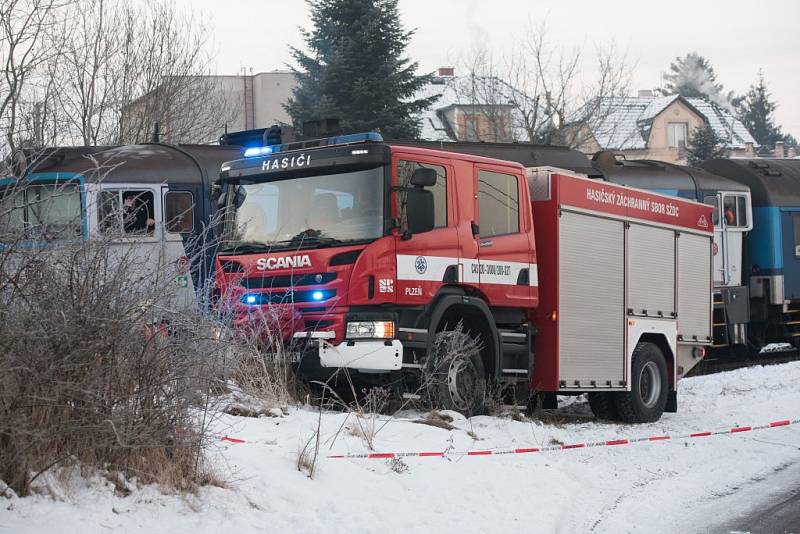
(267, 282)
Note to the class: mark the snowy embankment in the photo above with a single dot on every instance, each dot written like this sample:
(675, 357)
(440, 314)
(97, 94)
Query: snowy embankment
(667, 486)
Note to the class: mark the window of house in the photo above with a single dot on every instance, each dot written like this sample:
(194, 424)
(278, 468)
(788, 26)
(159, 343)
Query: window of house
(498, 203)
(41, 211)
(179, 211)
(796, 223)
(127, 212)
(734, 211)
(677, 133)
(471, 125)
(713, 200)
(405, 169)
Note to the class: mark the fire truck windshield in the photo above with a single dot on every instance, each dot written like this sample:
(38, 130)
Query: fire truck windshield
(304, 212)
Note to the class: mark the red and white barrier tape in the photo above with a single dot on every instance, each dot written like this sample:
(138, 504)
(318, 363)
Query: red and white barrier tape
(585, 445)
(552, 448)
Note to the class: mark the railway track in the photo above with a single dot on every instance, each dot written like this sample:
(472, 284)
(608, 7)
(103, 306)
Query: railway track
(717, 365)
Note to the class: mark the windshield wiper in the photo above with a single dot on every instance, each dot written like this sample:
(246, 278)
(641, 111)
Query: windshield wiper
(308, 241)
(310, 236)
(249, 246)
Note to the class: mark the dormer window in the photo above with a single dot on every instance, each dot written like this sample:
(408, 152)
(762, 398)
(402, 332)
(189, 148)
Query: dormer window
(677, 134)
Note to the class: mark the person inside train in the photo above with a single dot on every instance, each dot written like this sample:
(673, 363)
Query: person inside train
(730, 211)
(136, 215)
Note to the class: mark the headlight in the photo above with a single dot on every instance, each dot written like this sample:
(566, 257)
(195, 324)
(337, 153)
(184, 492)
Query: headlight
(370, 330)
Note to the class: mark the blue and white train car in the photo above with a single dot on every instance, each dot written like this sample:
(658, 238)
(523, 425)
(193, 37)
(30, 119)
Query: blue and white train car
(772, 248)
(85, 192)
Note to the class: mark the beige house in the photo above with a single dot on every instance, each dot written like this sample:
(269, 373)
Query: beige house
(660, 127)
(202, 108)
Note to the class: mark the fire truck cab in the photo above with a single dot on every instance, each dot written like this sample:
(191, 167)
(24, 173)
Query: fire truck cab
(449, 275)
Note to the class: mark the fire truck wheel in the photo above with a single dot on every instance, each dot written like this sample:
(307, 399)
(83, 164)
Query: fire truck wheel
(649, 388)
(455, 375)
(603, 405)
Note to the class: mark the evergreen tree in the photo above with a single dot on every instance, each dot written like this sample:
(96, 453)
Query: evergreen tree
(354, 70)
(755, 111)
(704, 145)
(693, 76)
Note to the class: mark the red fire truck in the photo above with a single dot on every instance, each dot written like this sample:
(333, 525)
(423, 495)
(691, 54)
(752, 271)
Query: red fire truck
(458, 274)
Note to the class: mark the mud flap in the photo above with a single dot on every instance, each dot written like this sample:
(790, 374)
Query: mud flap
(672, 402)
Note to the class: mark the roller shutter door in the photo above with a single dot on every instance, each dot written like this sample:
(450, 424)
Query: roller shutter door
(651, 271)
(694, 288)
(591, 307)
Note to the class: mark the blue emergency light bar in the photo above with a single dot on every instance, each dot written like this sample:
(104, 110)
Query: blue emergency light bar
(349, 139)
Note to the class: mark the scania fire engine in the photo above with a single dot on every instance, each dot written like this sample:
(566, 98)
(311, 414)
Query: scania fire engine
(455, 275)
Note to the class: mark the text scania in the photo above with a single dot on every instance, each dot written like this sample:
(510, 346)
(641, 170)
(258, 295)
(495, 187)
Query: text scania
(636, 203)
(286, 163)
(284, 262)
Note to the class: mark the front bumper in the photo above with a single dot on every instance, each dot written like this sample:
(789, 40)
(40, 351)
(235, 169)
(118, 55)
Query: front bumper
(362, 355)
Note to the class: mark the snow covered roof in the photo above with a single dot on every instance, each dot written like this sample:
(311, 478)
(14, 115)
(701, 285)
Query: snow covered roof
(624, 122)
(465, 91)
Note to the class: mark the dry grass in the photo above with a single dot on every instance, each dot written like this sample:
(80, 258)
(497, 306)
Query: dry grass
(437, 419)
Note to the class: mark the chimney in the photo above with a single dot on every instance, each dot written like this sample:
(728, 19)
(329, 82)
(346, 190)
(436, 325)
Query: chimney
(779, 149)
(791, 152)
(749, 151)
(645, 92)
(446, 71)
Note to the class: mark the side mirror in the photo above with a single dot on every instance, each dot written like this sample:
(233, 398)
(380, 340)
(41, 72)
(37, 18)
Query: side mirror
(424, 177)
(241, 194)
(222, 199)
(216, 191)
(419, 210)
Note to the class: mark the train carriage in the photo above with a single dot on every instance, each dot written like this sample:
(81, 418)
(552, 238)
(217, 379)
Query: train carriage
(83, 192)
(772, 248)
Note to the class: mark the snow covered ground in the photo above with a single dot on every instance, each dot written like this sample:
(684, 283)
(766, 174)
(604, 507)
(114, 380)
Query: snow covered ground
(668, 486)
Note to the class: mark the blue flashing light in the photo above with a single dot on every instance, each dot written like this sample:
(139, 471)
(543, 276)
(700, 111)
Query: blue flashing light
(349, 139)
(250, 299)
(317, 295)
(256, 151)
(374, 137)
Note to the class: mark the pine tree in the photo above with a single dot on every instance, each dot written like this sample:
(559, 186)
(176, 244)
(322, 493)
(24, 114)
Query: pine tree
(355, 71)
(693, 76)
(704, 145)
(755, 111)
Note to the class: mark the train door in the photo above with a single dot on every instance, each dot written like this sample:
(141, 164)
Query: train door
(736, 221)
(732, 219)
(791, 265)
(183, 242)
(129, 217)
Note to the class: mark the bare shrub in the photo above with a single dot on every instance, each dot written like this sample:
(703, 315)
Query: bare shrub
(103, 364)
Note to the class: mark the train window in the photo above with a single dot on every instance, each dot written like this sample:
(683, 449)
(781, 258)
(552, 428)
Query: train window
(127, 212)
(41, 211)
(713, 200)
(734, 209)
(179, 211)
(498, 203)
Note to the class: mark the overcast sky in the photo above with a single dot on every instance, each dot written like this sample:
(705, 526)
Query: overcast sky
(739, 37)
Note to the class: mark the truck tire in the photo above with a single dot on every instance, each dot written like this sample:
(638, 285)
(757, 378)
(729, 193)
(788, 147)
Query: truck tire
(603, 405)
(454, 373)
(646, 400)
